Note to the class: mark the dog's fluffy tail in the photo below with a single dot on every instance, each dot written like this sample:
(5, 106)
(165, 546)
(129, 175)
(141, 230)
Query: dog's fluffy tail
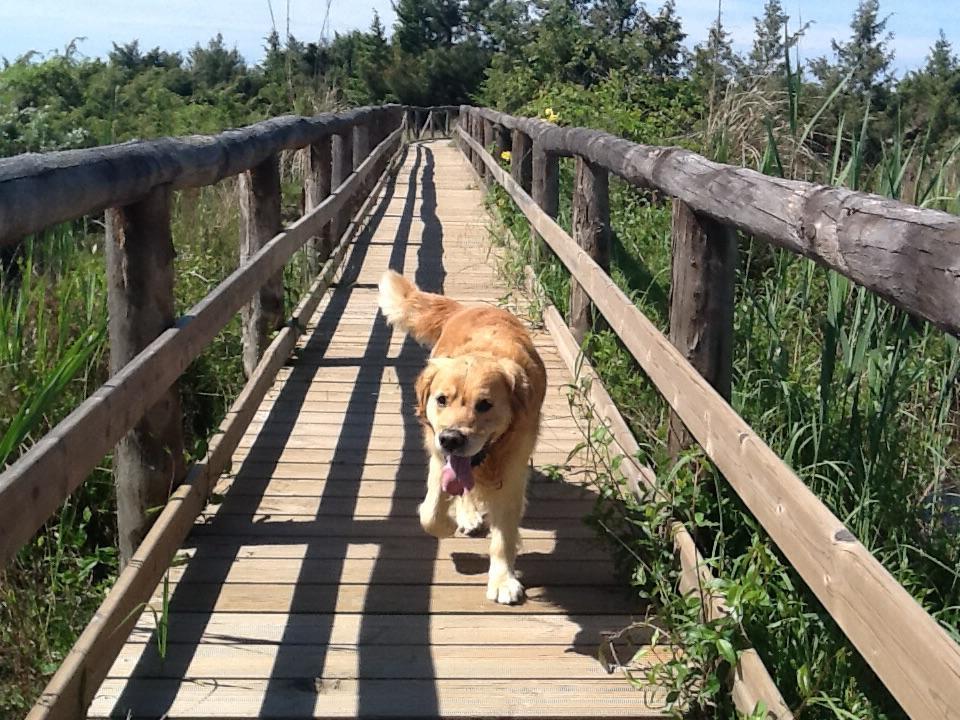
(421, 314)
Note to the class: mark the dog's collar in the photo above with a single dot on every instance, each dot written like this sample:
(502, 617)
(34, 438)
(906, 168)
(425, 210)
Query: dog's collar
(479, 457)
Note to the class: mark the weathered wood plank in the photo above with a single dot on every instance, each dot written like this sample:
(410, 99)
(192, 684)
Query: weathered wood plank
(608, 697)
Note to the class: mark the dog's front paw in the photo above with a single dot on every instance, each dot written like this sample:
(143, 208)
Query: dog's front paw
(470, 521)
(507, 591)
(437, 523)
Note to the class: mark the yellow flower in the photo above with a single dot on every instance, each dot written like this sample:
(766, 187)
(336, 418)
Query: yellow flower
(550, 116)
(505, 155)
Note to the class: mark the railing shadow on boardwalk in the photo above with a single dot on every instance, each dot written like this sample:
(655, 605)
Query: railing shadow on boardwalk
(297, 678)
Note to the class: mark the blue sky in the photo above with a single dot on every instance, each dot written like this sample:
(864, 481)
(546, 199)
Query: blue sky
(45, 25)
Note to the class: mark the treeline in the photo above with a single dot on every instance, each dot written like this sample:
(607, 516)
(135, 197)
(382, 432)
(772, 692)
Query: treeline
(504, 53)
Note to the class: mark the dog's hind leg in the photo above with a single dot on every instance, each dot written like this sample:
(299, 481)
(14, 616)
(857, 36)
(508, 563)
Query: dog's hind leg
(435, 511)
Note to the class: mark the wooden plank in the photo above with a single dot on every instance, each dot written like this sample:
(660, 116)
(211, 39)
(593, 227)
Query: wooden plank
(351, 506)
(280, 526)
(201, 698)
(535, 571)
(38, 482)
(370, 662)
(70, 690)
(423, 547)
(397, 599)
(914, 657)
(372, 629)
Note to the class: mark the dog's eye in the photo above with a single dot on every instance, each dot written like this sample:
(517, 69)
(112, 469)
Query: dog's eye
(441, 400)
(483, 406)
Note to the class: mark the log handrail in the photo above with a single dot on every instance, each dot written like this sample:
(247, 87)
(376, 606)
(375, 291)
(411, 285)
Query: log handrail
(908, 650)
(906, 254)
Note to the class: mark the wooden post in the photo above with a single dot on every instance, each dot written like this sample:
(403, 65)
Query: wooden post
(502, 141)
(417, 123)
(361, 148)
(591, 231)
(316, 190)
(476, 131)
(259, 222)
(521, 160)
(148, 462)
(488, 143)
(546, 190)
(702, 303)
(342, 166)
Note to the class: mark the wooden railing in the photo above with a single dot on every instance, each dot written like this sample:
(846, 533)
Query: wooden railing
(138, 410)
(908, 255)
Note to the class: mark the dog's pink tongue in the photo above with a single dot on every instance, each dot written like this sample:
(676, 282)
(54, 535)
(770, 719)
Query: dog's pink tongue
(457, 475)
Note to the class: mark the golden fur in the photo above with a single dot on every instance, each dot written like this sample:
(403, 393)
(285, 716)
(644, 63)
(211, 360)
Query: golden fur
(490, 383)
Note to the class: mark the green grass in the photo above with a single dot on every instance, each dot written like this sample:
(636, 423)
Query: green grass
(855, 395)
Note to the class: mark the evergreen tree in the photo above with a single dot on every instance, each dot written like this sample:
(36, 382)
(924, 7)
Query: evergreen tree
(715, 64)
(930, 97)
(663, 38)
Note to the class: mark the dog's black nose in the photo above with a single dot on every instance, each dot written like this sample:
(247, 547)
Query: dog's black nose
(452, 440)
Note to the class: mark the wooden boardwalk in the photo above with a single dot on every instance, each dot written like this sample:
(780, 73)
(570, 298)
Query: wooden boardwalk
(308, 588)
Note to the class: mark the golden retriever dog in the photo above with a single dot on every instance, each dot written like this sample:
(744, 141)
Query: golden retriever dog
(479, 401)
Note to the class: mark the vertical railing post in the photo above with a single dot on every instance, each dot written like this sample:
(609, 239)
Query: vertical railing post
(476, 132)
(521, 160)
(546, 189)
(591, 230)
(316, 190)
(411, 119)
(361, 148)
(342, 166)
(487, 140)
(701, 303)
(418, 123)
(502, 141)
(259, 222)
(149, 461)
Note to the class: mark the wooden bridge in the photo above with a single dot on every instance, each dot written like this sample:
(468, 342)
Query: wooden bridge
(287, 575)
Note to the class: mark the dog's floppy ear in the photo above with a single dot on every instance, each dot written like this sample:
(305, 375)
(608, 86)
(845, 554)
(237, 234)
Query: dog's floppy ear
(425, 383)
(518, 382)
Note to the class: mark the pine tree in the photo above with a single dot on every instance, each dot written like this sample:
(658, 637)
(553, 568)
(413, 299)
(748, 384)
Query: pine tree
(715, 64)
(866, 57)
(663, 38)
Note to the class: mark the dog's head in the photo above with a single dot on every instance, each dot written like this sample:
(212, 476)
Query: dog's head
(469, 402)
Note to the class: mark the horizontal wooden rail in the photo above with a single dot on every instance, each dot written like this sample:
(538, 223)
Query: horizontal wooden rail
(38, 482)
(909, 255)
(71, 689)
(914, 657)
(41, 190)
